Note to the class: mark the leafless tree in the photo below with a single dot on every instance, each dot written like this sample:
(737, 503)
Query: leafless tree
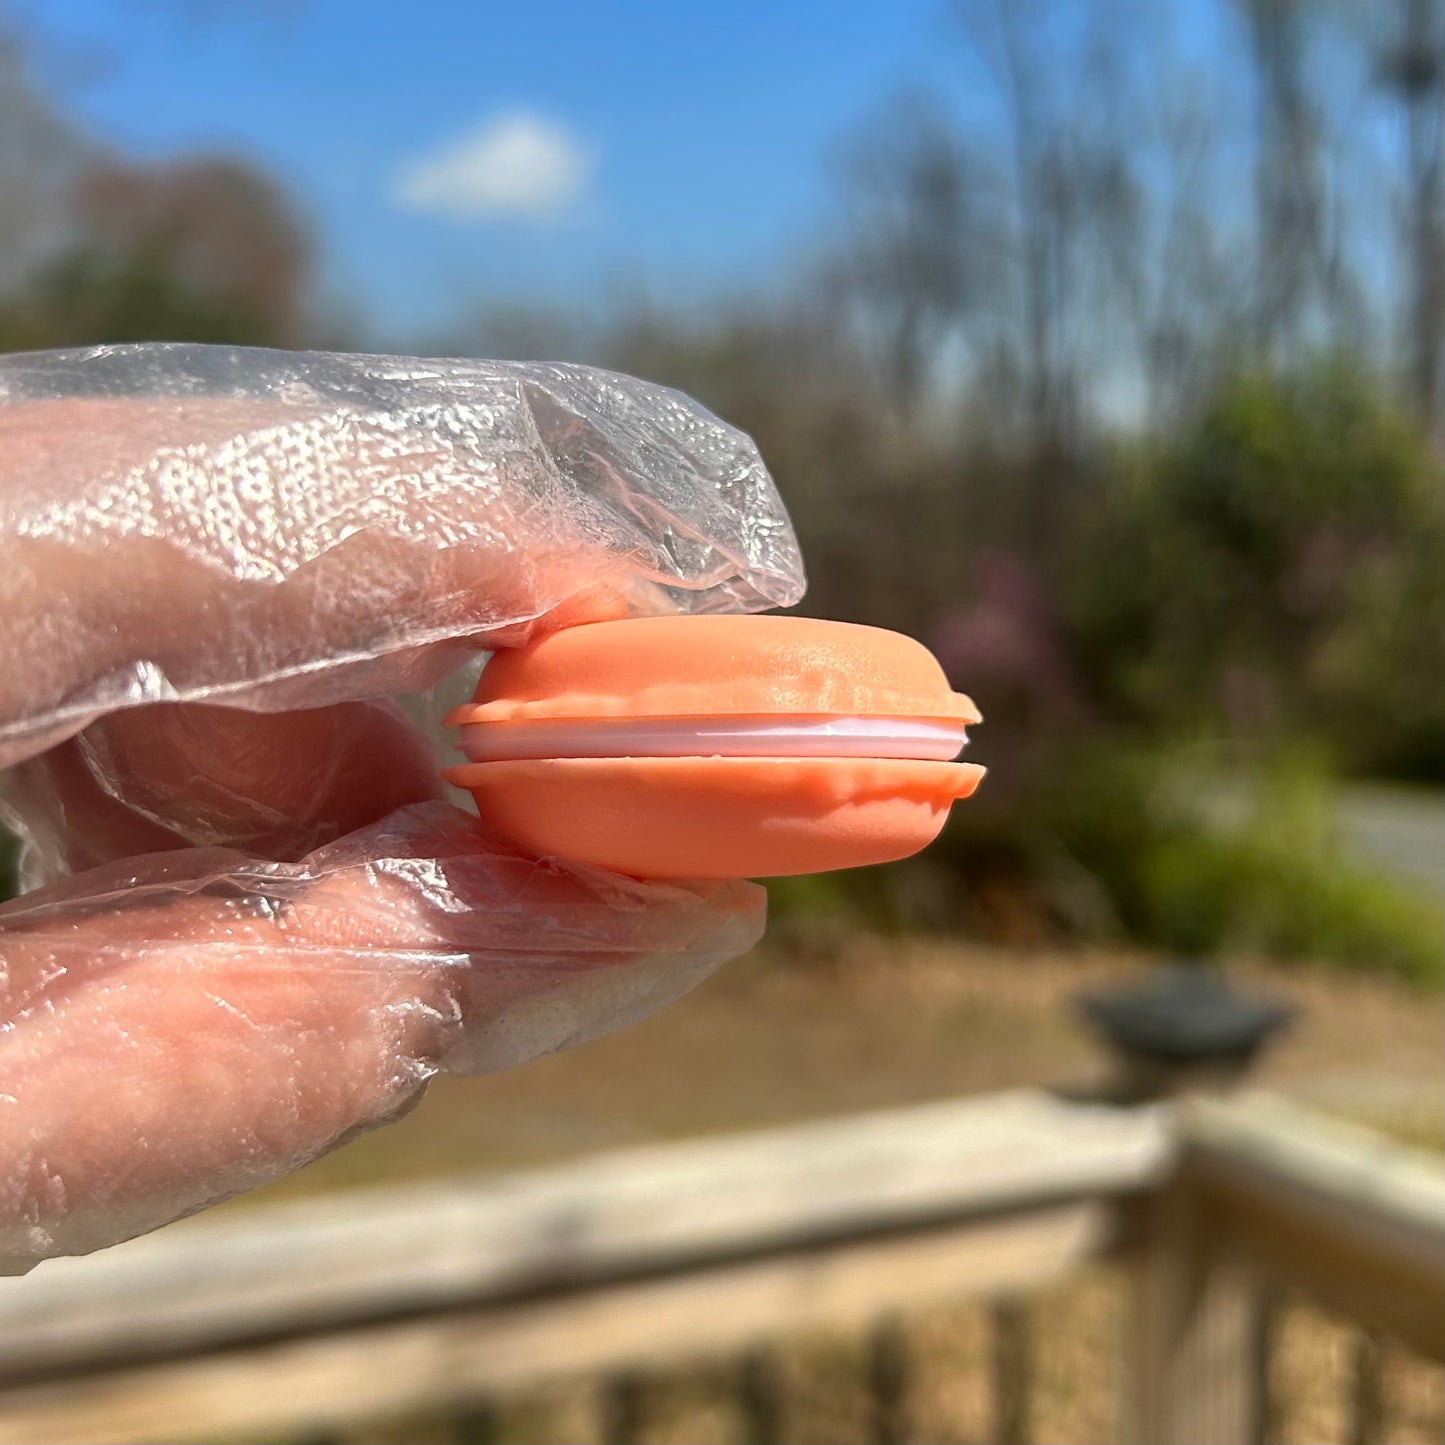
(923, 250)
(1288, 180)
(40, 156)
(1412, 70)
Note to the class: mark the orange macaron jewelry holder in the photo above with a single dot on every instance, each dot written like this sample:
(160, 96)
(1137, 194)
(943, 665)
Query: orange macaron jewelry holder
(716, 747)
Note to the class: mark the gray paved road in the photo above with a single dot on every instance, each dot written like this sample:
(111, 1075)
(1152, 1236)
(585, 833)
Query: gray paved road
(1399, 829)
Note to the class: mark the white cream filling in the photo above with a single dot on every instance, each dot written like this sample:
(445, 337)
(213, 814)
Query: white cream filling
(715, 737)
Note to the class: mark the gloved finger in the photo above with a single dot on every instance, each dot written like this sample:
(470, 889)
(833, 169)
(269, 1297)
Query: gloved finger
(271, 785)
(190, 1025)
(276, 531)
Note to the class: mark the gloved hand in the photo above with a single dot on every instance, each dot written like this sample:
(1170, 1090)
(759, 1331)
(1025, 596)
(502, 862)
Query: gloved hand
(256, 924)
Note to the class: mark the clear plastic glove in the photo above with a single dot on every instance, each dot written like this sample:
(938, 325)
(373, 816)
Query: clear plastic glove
(256, 924)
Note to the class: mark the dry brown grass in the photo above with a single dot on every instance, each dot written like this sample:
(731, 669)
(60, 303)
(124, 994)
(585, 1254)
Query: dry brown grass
(877, 1023)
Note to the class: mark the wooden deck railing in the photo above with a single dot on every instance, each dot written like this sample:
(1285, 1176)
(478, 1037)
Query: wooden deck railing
(312, 1317)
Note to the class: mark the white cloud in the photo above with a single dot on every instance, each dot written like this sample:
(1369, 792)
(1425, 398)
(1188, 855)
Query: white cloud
(516, 164)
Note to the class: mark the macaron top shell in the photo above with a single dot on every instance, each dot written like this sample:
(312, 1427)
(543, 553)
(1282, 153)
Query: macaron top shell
(716, 747)
(661, 667)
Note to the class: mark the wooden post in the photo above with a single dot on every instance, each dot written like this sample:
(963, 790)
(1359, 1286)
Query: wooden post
(623, 1403)
(888, 1382)
(1197, 1361)
(1013, 1371)
(1367, 1395)
(760, 1396)
(476, 1423)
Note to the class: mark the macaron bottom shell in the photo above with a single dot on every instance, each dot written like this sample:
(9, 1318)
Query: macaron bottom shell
(718, 817)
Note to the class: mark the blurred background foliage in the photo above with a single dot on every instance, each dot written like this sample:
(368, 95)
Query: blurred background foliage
(1128, 401)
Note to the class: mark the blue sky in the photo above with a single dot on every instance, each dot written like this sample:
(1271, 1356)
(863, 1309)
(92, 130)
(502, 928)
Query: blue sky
(453, 156)
(678, 146)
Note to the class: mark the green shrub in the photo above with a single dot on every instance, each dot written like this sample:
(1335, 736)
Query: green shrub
(1207, 892)
(1274, 570)
(1119, 840)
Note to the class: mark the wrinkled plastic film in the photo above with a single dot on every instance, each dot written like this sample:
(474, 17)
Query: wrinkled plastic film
(276, 531)
(249, 1017)
(226, 974)
(379, 498)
